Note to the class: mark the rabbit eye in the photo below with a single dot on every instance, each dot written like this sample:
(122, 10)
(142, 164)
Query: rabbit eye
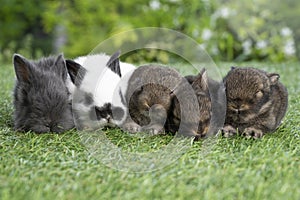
(259, 94)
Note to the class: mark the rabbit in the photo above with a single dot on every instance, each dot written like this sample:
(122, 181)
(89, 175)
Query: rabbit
(211, 100)
(95, 78)
(41, 98)
(149, 96)
(256, 102)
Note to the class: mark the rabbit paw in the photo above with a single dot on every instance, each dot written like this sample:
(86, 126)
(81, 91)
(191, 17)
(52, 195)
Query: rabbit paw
(253, 133)
(154, 129)
(228, 131)
(131, 127)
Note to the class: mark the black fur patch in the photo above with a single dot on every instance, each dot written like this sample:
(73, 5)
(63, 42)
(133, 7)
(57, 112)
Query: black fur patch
(107, 112)
(104, 111)
(114, 63)
(122, 98)
(76, 72)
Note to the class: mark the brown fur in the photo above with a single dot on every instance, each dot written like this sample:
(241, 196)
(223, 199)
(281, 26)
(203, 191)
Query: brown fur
(256, 102)
(148, 97)
(150, 94)
(199, 85)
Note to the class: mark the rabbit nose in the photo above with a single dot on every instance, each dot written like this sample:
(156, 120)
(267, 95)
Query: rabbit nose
(237, 110)
(241, 108)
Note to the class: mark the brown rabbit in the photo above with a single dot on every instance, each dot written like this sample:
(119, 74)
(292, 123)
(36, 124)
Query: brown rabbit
(256, 102)
(149, 96)
(211, 100)
(199, 84)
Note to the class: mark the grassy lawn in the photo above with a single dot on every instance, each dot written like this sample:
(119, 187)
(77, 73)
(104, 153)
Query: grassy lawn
(51, 166)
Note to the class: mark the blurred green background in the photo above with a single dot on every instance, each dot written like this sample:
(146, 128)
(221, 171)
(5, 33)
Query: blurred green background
(231, 30)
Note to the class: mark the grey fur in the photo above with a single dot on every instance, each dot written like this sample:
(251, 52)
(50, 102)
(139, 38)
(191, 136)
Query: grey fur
(41, 98)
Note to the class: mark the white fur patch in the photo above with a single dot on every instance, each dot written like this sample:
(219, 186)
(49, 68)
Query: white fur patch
(103, 84)
(120, 94)
(99, 80)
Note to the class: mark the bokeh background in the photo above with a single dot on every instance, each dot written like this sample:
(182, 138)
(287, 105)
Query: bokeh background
(231, 30)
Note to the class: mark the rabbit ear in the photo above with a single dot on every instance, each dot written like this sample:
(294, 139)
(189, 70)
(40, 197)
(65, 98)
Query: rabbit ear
(114, 63)
(22, 68)
(201, 81)
(76, 72)
(60, 67)
(190, 78)
(273, 77)
(204, 80)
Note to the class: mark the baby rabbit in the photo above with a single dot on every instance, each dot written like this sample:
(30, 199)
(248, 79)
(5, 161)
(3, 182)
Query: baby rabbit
(199, 85)
(96, 78)
(211, 100)
(150, 93)
(41, 97)
(256, 102)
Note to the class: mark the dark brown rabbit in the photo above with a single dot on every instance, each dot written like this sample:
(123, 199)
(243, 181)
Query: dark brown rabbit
(199, 85)
(150, 94)
(256, 102)
(211, 103)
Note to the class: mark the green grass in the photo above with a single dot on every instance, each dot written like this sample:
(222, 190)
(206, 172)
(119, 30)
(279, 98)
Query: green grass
(52, 166)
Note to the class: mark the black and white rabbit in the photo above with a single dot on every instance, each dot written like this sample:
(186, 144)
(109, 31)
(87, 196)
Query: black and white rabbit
(96, 79)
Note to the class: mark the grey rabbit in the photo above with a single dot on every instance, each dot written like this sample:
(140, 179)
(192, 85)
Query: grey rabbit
(149, 96)
(256, 102)
(41, 98)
